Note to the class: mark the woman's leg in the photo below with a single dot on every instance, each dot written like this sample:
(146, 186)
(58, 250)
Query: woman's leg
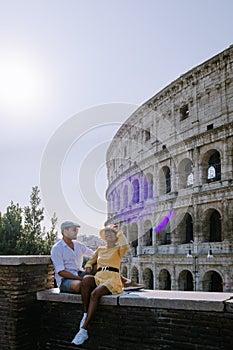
(87, 286)
(96, 294)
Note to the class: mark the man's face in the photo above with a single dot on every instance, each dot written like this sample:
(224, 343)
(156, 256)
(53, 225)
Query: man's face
(71, 232)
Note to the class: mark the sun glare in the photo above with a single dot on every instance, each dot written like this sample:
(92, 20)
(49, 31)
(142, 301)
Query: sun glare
(19, 84)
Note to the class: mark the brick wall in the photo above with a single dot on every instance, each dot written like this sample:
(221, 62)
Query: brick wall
(144, 320)
(20, 278)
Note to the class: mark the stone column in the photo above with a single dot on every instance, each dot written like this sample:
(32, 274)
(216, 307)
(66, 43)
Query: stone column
(226, 220)
(197, 171)
(197, 223)
(226, 161)
(174, 177)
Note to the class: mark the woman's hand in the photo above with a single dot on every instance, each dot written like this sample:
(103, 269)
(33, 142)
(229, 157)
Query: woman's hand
(88, 270)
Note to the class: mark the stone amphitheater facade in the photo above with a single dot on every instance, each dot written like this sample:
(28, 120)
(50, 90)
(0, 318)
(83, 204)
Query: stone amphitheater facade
(170, 171)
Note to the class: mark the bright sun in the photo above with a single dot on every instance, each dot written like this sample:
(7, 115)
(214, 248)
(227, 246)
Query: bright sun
(19, 84)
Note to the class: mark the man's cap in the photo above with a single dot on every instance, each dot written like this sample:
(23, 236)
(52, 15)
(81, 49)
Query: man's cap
(68, 224)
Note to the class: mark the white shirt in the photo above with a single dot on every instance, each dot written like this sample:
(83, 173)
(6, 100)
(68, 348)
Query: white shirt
(65, 258)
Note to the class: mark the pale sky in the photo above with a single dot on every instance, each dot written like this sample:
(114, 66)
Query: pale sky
(71, 71)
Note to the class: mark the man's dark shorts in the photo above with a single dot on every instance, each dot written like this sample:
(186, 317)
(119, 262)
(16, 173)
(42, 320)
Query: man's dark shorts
(66, 282)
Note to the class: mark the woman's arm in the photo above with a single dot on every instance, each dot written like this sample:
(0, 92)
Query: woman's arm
(123, 244)
(92, 261)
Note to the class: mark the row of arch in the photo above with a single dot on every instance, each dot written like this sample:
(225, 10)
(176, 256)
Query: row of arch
(211, 231)
(137, 190)
(211, 228)
(211, 281)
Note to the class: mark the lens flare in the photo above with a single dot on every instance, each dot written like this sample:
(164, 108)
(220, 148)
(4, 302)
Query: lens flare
(162, 225)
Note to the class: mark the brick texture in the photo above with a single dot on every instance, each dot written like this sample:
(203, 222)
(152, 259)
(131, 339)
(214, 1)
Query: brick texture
(133, 328)
(19, 314)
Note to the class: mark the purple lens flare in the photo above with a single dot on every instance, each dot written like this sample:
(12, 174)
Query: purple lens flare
(162, 225)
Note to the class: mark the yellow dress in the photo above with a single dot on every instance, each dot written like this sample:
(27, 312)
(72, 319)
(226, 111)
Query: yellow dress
(110, 257)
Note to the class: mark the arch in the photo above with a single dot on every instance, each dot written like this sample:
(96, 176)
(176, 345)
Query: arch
(134, 274)
(164, 280)
(165, 180)
(212, 226)
(125, 196)
(164, 237)
(185, 170)
(124, 271)
(148, 235)
(185, 281)
(215, 227)
(148, 278)
(211, 166)
(214, 167)
(212, 282)
(145, 189)
(167, 173)
(136, 191)
(133, 238)
(186, 229)
(148, 185)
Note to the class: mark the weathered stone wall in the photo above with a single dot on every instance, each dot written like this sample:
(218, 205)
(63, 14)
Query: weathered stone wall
(20, 279)
(176, 132)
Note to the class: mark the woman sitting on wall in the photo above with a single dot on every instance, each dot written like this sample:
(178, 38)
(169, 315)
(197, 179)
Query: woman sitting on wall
(106, 281)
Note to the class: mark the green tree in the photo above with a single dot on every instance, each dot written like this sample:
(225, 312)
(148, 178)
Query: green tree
(34, 240)
(10, 229)
(50, 237)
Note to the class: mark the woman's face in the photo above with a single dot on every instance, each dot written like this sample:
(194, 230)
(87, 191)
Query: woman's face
(110, 236)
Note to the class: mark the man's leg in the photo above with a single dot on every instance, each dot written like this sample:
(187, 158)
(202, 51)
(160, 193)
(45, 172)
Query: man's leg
(75, 287)
(70, 286)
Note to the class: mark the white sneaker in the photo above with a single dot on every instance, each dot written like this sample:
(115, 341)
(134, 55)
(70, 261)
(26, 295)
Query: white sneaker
(80, 337)
(83, 320)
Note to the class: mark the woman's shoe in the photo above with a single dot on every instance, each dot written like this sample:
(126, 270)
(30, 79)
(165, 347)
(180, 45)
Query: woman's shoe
(80, 337)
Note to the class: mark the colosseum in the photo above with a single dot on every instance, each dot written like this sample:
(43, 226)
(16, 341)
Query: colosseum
(170, 171)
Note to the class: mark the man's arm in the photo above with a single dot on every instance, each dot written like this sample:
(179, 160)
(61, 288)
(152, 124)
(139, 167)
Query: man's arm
(67, 274)
(87, 251)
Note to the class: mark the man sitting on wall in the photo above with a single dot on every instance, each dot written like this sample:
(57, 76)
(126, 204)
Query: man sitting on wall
(67, 257)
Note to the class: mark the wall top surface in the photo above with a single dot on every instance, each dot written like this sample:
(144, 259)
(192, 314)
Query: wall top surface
(24, 259)
(196, 301)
